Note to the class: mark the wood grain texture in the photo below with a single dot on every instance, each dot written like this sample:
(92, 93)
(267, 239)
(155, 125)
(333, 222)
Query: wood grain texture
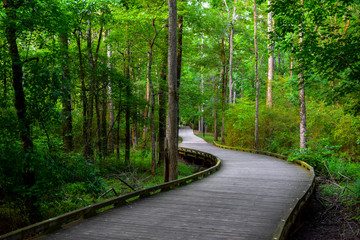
(245, 199)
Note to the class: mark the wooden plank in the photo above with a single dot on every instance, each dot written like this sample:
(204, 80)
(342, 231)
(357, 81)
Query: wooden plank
(245, 199)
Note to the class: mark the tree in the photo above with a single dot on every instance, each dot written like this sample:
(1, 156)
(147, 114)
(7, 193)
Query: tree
(257, 84)
(11, 32)
(172, 95)
(271, 60)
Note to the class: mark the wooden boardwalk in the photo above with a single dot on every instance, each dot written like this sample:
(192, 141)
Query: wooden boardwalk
(245, 199)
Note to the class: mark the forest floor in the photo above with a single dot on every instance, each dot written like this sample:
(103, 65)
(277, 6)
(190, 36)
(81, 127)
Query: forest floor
(327, 221)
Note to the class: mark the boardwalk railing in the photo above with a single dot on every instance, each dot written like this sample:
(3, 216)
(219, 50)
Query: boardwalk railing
(57, 222)
(290, 217)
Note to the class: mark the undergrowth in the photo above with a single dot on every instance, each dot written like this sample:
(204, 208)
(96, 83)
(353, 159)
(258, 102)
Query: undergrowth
(71, 182)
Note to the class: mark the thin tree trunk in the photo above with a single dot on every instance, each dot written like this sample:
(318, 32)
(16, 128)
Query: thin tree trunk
(93, 88)
(257, 85)
(223, 90)
(279, 62)
(201, 122)
(215, 126)
(66, 102)
(271, 61)
(231, 46)
(127, 108)
(111, 121)
(83, 95)
(172, 97)
(303, 139)
(118, 133)
(291, 66)
(111, 104)
(104, 142)
(152, 110)
(90, 113)
(98, 122)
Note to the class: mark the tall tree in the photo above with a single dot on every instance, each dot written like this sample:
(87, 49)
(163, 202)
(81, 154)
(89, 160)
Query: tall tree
(223, 89)
(66, 99)
(172, 94)
(231, 56)
(257, 84)
(11, 32)
(162, 105)
(271, 60)
(302, 94)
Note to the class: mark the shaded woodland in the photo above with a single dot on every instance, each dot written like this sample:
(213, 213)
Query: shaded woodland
(85, 97)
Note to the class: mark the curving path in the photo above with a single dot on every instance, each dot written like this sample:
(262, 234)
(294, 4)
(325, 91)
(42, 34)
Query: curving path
(245, 199)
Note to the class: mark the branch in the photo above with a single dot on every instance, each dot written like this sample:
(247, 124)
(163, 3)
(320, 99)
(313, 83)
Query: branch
(31, 59)
(98, 45)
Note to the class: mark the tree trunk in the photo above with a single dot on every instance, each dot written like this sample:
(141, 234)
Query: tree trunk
(303, 139)
(118, 134)
(291, 66)
(279, 62)
(98, 122)
(215, 126)
(90, 113)
(271, 60)
(127, 108)
(162, 109)
(111, 104)
(231, 46)
(257, 85)
(66, 99)
(104, 142)
(223, 90)
(28, 174)
(172, 97)
(152, 109)
(83, 95)
(178, 65)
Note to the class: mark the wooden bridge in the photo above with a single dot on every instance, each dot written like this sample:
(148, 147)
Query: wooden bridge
(251, 196)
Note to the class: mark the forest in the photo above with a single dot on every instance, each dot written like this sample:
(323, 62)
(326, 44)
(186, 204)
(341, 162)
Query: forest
(86, 96)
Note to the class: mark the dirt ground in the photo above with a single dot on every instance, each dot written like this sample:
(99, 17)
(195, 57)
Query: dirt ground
(326, 223)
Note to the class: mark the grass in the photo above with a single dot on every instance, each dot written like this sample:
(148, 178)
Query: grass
(209, 137)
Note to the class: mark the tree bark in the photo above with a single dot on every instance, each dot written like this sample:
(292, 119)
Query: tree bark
(152, 109)
(66, 98)
(215, 126)
(92, 90)
(291, 66)
(231, 46)
(303, 140)
(127, 107)
(28, 175)
(90, 113)
(162, 108)
(111, 104)
(223, 90)
(271, 61)
(104, 106)
(257, 85)
(83, 95)
(172, 91)
(178, 64)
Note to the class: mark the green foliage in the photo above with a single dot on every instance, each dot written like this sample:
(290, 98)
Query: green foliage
(277, 129)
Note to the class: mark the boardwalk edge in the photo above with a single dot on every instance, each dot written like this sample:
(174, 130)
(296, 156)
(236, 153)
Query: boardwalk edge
(55, 223)
(290, 217)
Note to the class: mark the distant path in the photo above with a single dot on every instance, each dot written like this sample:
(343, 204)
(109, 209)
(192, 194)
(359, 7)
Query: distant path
(245, 199)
